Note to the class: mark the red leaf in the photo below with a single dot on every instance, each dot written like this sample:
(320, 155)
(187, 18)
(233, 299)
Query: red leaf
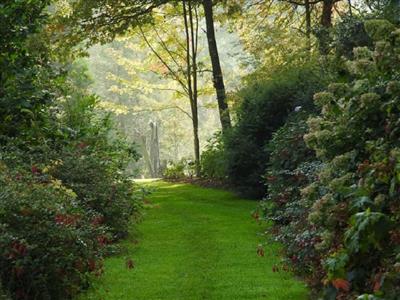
(130, 264)
(35, 170)
(341, 284)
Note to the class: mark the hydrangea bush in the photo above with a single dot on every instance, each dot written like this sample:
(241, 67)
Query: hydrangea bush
(356, 197)
(292, 166)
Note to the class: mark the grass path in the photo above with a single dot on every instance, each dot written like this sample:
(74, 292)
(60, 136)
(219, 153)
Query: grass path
(195, 243)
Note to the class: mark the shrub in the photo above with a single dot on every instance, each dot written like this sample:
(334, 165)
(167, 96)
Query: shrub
(357, 209)
(291, 167)
(348, 34)
(49, 244)
(213, 161)
(179, 170)
(91, 168)
(264, 108)
(67, 195)
(65, 201)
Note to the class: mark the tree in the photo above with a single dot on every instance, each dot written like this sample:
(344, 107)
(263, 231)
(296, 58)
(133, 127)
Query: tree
(218, 78)
(102, 20)
(181, 63)
(119, 16)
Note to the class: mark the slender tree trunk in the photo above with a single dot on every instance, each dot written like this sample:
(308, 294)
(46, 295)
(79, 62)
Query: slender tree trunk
(326, 17)
(189, 83)
(191, 60)
(218, 78)
(308, 23)
(326, 24)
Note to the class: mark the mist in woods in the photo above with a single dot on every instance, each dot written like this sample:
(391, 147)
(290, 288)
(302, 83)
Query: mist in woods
(150, 107)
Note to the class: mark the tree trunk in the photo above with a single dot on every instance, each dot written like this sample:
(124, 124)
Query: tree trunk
(308, 23)
(326, 17)
(218, 78)
(191, 61)
(326, 24)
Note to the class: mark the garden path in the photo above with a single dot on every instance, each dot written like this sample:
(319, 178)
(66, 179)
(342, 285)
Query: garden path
(195, 243)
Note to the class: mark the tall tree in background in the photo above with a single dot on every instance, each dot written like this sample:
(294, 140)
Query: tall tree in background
(325, 20)
(102, 21)
(326, 24)
(192, 33)
(181, 63)
(218, 78)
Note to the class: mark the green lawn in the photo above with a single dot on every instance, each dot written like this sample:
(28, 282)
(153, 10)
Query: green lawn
(196, 243)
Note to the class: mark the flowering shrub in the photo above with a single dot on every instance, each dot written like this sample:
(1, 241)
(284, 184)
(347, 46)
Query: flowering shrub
(60, 209)
(48, 243)
(92, 170)
(291, 167)
(356, 195)
(64, 195)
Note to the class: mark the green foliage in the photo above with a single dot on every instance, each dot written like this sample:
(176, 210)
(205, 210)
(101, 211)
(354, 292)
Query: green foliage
(379, 29)
(119, 15)
(357, 138)
(179, 170)
(292, 166)
(349, 34)
(265, 106)
(92, 169)
(76, 178)
(213, 161)
(25, 80)
(64, 193)
(48, 243)
(386, 9)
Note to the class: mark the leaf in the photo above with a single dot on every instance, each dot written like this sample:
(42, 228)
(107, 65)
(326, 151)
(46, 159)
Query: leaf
(130, 264)
(361, 203)
(28, 111)
(260, 251)
(341, 284)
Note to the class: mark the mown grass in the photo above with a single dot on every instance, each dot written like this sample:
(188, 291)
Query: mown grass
(196, 243)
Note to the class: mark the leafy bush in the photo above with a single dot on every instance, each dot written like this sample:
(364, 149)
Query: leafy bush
(179, 170)
(76, 180)
(26, 78)
(350, 33)
(356, 195)
(64, 191)
(49, 244)
(93, 169)
(265, 106)
(291, 167)
(213, 161)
